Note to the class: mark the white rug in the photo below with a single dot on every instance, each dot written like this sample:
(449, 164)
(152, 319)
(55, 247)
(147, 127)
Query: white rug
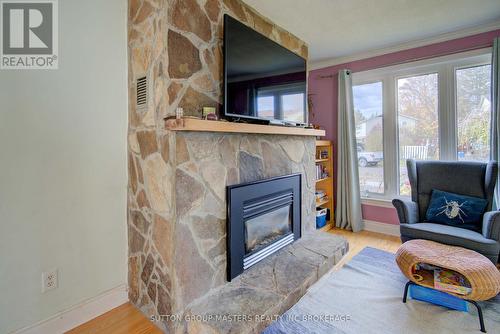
(365, 296)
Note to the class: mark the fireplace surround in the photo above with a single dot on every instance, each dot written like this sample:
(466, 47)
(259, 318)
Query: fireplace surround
(177, 206)
(262, 217)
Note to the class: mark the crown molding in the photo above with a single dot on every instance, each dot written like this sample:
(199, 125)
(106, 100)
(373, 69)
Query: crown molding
(314, 65)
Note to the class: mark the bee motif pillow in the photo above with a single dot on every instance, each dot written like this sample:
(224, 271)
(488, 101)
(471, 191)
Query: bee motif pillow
(456, 210)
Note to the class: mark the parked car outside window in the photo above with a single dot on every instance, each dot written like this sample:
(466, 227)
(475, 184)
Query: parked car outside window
(366, 159)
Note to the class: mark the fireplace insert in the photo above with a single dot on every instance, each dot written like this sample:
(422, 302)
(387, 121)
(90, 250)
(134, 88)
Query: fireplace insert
(262, 217)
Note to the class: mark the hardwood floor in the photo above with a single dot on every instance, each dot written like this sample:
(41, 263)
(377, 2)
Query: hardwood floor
(358, 241)
(126, 319)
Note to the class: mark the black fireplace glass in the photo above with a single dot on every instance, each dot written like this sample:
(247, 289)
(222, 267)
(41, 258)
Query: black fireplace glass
(264, 229)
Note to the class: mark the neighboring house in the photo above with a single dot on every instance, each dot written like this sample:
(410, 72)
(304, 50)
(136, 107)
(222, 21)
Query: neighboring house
(407, 121)
(364, 128)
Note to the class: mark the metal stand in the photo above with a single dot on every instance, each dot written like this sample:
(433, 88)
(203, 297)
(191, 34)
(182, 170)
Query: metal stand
(480, 313)
(479, 310)
(406, 290)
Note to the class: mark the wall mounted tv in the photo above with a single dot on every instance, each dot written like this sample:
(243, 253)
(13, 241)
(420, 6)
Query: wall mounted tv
(263, 81)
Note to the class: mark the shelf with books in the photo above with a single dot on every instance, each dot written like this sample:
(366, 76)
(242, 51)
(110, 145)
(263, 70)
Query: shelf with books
(322, 201)
(324, 177)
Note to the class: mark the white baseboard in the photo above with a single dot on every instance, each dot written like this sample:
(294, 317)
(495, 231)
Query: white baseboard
(80, 313)
(383, 228)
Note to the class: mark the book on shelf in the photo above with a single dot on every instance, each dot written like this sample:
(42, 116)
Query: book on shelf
(321, 172)
(323, 199)
(323, 154)
(320, 194)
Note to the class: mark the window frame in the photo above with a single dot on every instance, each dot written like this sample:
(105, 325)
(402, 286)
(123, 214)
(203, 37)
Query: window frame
(445, 67)
(372, 81)
(461, 66)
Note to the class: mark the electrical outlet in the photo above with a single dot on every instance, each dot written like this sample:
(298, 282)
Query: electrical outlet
(49, 280)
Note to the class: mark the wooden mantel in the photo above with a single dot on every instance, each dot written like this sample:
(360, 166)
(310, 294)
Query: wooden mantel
(191, 124)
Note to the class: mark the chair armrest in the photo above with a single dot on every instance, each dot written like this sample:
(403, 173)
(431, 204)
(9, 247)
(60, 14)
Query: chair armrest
(407, 211)
(491, 225)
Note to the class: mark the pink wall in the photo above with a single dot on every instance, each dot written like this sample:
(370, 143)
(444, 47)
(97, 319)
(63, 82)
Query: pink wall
(380, 214)
(324, 91)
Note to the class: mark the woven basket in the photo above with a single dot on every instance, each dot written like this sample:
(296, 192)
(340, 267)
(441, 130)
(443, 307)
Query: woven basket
(483, 276)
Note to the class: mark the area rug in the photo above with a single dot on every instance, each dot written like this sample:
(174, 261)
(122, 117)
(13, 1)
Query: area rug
(365, 296)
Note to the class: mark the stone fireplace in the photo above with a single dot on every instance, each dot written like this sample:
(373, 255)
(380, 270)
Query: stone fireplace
(177, 179)
(179, 257)
(263, 217)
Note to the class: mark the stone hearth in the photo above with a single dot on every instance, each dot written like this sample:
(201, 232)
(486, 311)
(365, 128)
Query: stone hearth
(268, 289)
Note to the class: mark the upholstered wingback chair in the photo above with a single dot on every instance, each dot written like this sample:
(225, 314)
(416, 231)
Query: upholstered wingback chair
(466, 178)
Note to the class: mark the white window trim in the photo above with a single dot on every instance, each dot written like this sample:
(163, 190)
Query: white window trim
(445, 68)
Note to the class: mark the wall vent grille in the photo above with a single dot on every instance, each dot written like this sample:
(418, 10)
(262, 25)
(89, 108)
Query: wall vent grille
(142, 92)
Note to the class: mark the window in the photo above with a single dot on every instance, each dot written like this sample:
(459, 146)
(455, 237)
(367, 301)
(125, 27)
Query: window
(285, 102)
(369, 137)
(427, 110)
(418, 122)
(265, 106)
(473, 112)
(293, 107)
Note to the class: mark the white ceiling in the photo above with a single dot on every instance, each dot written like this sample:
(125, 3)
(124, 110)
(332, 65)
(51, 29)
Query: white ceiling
(340, 28)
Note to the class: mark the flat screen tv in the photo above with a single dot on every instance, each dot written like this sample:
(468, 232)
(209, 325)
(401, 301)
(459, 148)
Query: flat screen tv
(263, 81)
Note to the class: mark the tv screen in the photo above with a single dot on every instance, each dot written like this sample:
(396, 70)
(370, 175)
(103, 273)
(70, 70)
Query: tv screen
(263, 81)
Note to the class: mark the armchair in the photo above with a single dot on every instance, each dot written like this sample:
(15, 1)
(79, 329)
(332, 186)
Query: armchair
(466, 178)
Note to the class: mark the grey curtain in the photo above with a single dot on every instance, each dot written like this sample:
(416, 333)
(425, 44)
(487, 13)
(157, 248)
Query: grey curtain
(495, 112)
(348, 211)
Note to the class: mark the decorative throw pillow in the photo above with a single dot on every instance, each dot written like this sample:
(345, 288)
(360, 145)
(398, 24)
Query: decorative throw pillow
(456, 210)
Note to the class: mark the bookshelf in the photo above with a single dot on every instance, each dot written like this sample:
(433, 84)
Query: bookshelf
(324, 178)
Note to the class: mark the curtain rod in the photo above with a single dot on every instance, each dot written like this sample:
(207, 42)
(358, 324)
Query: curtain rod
(488, 45)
